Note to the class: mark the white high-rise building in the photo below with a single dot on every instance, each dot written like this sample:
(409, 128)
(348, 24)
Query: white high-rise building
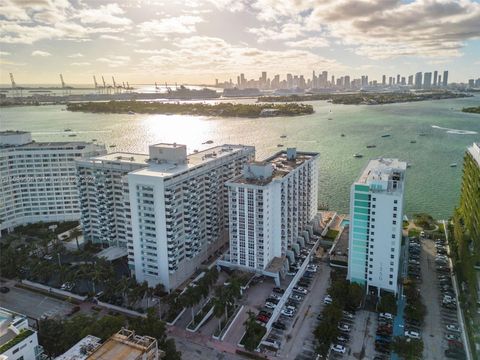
(104, 197)
(270, 206)
(179, 210)
(376, 215)
(38, 179)
(17, 339)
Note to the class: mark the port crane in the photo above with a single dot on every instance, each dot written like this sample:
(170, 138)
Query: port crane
(65, 88)
(17, 91)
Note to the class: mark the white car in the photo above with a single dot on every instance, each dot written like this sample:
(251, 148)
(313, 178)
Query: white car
(287, 313)
(48, 257)
(312, 268)
(338, 349)
(67, 286)
(451, 337)
(344, 327)
(348, 315)
(291, 273)
(453, 328)
(412, 334)
(296, 297)
(327, 300)
(414, 262)
(386, 316)
(300, 290)
(270, 305)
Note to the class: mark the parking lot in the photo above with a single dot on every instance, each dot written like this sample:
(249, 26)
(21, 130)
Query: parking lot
(441, 307)
(32, 304)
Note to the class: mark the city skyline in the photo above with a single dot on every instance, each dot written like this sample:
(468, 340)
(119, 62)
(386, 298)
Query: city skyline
(196, 42)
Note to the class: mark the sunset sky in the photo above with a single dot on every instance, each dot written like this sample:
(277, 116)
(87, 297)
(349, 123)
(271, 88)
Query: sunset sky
(194, 41)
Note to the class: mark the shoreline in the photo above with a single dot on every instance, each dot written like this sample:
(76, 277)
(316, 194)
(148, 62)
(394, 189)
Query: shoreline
(221, 110)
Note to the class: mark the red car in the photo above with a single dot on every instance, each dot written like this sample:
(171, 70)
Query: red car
(455, 344)
(262, 318)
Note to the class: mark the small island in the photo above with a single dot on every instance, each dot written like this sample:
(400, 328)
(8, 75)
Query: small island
(472, 110)
(364, 98)
(220, 109)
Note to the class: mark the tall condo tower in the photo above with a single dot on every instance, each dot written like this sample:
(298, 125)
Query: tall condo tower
(375, 237)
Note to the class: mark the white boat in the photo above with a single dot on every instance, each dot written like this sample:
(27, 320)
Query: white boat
(453, 165)
(357, 155)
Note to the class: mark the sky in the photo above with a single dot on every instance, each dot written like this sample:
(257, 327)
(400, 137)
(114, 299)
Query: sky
(198, 41)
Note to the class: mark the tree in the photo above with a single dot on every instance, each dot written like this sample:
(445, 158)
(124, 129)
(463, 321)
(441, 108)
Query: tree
(388, 303)
(408, 349)
(355, 295)
(253, 332)
(75, 233)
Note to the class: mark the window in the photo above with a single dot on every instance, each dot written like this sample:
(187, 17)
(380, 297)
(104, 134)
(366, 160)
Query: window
(371, 252)
(391, 269)
(391, 276)
(394, 208)
(395, 201)
(393, 236)
(373, 206)
(370, 279)
(392, 256)
(392, 250)
(390, 282)
(394, 222)
(374, 199)
(370, 272)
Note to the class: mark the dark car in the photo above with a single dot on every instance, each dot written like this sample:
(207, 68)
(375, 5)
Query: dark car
(279, 325)
(278, 290)
(4, 289)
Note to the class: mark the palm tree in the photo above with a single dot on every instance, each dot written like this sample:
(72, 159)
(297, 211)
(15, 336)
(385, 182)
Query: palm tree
(219, 307)
(75, 233)
(190, 298)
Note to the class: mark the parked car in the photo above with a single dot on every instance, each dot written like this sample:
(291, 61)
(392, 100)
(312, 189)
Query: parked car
(338, 349)
(296, 297)
(278, 290)
(327, 299)
(4, 289)
(386, 316)
(287, 313)
(453, 328)
(344, 327)
(300, 290)
(269, 305)
(67, 286)
(452, 337)
(262, 318)
(412, 334)
(279, 325)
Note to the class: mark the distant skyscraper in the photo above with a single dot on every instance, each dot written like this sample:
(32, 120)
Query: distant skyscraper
(346, 81)
(289, 81)
(398, 79)
(390, 81)
(403, 80)
(427, 80)
(418, 80)
(445, 78)
(375, 236)
(439, 80)
(333, 80)
(435, 77)
(410, 80)
(264, 79)
(384, 79)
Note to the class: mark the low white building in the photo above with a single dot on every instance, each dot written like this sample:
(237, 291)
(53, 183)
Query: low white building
(271, 205)
(179, 210)
(17, 340)
(376, 215)
(38, 179)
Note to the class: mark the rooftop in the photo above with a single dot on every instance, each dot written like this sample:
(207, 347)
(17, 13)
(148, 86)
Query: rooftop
(383, 174)
(281, 164)
(122, 157)
(56, 144)
(197, 159)
(11, 324)
(125, 345)
(474, 150)
(81, 349)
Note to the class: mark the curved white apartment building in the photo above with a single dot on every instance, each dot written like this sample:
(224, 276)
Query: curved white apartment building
(38, 179)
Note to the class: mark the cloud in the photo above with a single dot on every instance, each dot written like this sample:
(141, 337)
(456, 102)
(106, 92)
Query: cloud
(114, 60)
(76, 55)
(284, 32)
(105, 14)
(41, 53)
(184, 24)
(80, 64)
(309, 43)
(112, 37)
(215, 57)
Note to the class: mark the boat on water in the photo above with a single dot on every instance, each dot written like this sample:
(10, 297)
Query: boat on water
(113, 145)
(409, 165)
(208, 142)
(453, 165)
(342, 135)
(131, 113)
(413, 141)
(67, 130)
(330, 118)
(280, 145)
(371, 146)
(283, 136)
(93, 140)
(386, 135)
(357, 155)
(72, 135)
(422, 134)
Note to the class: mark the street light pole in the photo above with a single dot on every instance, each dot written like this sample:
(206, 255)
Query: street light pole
(59, 262)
